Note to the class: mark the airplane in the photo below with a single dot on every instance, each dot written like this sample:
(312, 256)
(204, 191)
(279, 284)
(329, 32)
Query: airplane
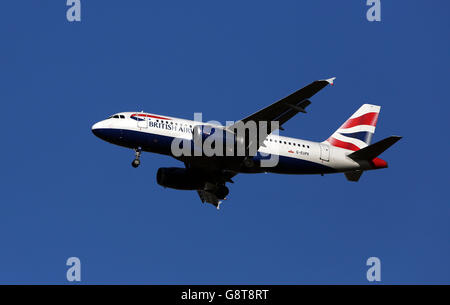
(348, 150)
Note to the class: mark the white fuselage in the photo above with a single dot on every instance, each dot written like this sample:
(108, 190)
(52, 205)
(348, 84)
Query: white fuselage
(154, 133)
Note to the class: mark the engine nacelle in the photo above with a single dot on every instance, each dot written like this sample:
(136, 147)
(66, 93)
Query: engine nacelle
(179, 178)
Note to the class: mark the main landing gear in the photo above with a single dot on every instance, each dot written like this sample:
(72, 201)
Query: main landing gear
(222, 192)
(136, 162)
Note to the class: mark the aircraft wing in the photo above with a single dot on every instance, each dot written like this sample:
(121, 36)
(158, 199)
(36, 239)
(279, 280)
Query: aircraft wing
(286, 108)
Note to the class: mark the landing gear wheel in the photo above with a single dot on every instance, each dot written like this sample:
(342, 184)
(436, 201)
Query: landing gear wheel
(135, 163)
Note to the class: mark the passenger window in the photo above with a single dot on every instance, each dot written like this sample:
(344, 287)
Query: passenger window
(289, 143)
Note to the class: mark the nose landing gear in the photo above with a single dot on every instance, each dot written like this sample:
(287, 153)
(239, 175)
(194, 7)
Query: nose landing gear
(136, 162)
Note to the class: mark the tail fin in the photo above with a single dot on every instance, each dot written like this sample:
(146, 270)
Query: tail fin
(356, 133)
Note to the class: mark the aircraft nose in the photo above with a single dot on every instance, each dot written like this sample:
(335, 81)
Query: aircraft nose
(97, 128)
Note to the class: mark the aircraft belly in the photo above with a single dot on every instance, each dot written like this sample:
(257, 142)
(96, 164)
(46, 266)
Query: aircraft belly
(157, 143)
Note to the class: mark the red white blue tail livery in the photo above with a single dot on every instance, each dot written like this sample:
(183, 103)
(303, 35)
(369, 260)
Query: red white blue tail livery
(357, 131)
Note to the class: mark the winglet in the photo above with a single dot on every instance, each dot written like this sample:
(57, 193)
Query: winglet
(331, 80)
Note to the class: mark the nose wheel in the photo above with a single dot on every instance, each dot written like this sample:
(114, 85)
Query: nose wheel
(136, 162)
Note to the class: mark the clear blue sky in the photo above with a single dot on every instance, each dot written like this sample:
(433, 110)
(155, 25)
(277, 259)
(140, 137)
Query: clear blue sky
(66, 193)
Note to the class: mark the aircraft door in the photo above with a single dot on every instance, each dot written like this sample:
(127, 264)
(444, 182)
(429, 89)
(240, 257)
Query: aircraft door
(324, 152)
(142, 122)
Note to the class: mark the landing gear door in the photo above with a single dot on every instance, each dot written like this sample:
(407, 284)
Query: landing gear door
(142, 121)
(324, 152)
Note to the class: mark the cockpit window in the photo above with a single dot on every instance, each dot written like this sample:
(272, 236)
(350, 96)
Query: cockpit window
(117, 116)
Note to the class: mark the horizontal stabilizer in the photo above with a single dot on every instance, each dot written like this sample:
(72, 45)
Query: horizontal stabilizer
(354, 175)
(372, 151)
